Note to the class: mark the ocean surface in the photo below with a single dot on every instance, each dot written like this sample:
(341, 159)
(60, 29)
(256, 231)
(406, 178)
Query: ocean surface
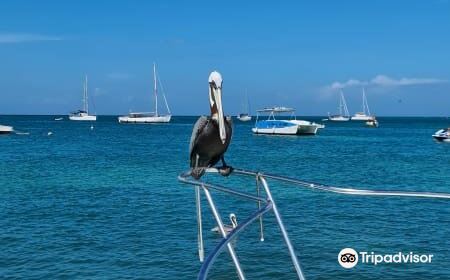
(106, 204)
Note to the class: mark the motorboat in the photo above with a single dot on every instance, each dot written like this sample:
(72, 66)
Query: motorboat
(365, 114)
(149, 117)
(343, 115)
(290, 126)
(83, 115)
(372, 123)
(4, 129)
(442, 135)
(245, 117)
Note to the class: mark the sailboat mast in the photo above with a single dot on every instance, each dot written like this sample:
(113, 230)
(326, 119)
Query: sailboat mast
(248, 103)
(367, 104)
(85, 97)
(364, 101)
(155, 89)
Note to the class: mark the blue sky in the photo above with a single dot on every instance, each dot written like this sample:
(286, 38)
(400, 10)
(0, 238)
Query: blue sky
(292, 53)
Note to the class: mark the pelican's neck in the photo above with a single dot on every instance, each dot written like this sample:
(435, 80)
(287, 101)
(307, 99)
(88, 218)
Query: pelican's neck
(214, 112)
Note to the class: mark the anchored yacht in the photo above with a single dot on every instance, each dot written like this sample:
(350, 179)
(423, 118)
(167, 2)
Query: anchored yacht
(83, 115)
(365, 114)
(150, 117)
(343, 115)
(245, 117)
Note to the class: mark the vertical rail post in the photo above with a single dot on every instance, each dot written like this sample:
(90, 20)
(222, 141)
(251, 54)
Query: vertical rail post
(282, 228)
(224, 234)
(201, 251)
(261, 227)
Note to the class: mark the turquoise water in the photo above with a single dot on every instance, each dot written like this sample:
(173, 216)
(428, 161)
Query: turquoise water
(106, 204)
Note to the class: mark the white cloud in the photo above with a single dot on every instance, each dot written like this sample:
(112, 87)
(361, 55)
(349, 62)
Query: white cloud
(384, 81)
(349, 83)
(11, 38)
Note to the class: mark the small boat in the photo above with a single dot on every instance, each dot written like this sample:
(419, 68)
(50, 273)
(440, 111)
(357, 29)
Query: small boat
(365, 114)
(149, 117)
(58, 119)
(442, 135)
(343, 115)
(245, 117)
(83, 115)
(372, 123)
(4, 129)
(290, 126)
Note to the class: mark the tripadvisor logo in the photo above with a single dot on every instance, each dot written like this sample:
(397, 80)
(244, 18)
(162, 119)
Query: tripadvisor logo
(348, 258)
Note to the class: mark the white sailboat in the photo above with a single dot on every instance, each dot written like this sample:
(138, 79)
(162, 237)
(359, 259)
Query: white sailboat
(343, 115)
(149, 117)
(365, 114)
(245, 117)
(83, 115)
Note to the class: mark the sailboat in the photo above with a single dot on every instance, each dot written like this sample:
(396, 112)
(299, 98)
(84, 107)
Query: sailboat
(245, 117)
(343, 115)
(365, 114)
(149, 117)
(83, 115)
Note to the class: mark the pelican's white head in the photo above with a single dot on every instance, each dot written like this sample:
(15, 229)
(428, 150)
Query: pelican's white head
(233, 220)
(215, 101)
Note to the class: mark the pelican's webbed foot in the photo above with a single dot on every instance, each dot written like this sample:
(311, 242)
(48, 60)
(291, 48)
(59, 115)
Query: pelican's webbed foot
(225, 170)
(197, 172)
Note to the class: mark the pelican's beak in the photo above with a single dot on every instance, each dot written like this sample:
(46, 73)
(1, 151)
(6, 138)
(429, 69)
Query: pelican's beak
(218, 101)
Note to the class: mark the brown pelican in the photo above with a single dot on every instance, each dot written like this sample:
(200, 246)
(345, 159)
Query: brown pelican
(228, 228)
(211, 136)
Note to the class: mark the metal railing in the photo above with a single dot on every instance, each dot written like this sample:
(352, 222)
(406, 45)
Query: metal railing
(264, 204)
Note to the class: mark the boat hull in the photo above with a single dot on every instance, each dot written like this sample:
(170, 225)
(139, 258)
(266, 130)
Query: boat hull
(338, 119)
(154, 119)
(83, 118)
(372, 123)
(285, 127)
(442, 135)
(4, 129)
(362, 118)
(244, 118)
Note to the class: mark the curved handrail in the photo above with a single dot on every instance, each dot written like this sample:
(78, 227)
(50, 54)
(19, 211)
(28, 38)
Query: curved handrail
(233, 234)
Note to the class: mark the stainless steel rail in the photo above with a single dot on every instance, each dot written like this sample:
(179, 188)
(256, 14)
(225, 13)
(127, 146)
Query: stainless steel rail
(265, 204)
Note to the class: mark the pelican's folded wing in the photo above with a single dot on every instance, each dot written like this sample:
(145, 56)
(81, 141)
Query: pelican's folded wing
(199, 125)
